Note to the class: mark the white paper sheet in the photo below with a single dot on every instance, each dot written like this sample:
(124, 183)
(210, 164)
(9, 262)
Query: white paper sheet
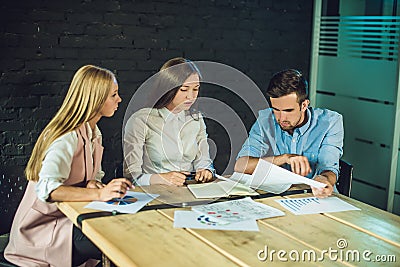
(221, 189)
(191, 219)
(312, 205)
(272, 178)
(207, 190)
(132, 202)
(238, 210)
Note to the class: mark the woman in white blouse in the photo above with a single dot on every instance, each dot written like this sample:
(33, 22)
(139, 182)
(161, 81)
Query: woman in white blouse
(164, 143)
(65, 166)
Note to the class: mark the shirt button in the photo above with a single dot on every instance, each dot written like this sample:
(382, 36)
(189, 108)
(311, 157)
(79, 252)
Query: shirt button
(294, 140)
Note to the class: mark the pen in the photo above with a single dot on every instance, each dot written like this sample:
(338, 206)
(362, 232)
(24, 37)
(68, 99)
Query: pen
(190, 176)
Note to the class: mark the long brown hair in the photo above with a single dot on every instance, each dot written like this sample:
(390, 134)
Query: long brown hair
(171, 76)
(86, 96)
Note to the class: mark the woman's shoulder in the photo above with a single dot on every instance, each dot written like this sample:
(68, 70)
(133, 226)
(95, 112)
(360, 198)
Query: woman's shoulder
(141, 117)
(145, 112)
(65, 141)
(68, 137)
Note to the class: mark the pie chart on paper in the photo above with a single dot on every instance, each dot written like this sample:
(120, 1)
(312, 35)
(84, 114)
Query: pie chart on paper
(126, 200)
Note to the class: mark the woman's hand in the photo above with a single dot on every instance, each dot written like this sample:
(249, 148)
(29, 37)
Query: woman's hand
(173, 178)
(203, 175)
(94, 184)
(116, 188)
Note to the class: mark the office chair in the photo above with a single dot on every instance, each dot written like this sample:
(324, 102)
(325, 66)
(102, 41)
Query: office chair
(343, 183)
(12, 189)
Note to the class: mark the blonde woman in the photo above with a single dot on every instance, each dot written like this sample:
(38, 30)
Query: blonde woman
(166, 142)
(65, 166)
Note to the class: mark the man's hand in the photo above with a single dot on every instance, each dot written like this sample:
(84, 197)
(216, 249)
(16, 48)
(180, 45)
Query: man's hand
(299, 164)
(322, 192)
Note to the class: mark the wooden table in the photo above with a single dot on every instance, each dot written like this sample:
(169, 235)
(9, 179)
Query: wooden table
(148, 238)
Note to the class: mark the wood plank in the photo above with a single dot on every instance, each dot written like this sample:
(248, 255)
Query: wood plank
(374, 221)
(244, 246)
(148, 239)
(73, 209)
(321, 232)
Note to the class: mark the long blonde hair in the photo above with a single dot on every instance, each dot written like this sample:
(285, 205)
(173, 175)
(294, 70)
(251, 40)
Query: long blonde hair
(86, 96)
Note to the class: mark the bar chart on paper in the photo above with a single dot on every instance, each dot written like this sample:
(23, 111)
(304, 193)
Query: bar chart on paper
(311, 205)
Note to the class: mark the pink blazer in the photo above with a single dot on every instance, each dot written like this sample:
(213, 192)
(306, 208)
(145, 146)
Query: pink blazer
(40, 234)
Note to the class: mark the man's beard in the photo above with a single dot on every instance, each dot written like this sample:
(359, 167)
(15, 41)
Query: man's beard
(288, 126)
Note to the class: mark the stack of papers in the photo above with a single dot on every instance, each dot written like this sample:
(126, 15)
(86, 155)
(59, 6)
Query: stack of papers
(238, 214)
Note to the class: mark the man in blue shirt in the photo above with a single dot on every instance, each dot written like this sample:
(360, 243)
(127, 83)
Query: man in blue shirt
(291, 134)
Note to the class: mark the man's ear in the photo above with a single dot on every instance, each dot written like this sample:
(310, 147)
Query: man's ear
(305, 105)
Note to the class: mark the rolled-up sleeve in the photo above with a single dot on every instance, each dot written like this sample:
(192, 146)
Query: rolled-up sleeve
(261, 141)
(56, 165)
(331, 147)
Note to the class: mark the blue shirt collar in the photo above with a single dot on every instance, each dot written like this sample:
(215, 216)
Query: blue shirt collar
(305, 127)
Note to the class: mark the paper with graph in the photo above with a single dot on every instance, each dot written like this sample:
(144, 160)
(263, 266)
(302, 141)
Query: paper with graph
(195, 220)
(238, 210)
(132, 202)
(312, 205)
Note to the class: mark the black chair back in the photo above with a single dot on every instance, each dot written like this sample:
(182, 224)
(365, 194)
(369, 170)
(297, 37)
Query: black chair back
(343, 184)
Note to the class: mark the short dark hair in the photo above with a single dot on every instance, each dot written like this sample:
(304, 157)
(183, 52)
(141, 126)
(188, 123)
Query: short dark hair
(286, 82)
(171, 77)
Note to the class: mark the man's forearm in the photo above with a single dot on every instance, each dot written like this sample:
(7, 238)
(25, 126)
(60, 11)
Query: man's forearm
(246, 165)
(278, 160)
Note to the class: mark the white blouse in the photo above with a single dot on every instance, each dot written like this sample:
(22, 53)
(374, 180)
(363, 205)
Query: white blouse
(56, 165)
(158, 141)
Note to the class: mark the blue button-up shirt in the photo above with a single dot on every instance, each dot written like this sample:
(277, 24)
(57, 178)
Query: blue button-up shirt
(320, 139)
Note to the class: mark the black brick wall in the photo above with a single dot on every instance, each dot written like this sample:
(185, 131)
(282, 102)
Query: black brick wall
(44, 42)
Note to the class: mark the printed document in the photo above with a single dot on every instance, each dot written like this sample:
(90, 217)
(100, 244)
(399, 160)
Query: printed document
(191, 219)
(132, 202)
(238, 210)
(221, 189)
(272, 178)
(312, 205)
